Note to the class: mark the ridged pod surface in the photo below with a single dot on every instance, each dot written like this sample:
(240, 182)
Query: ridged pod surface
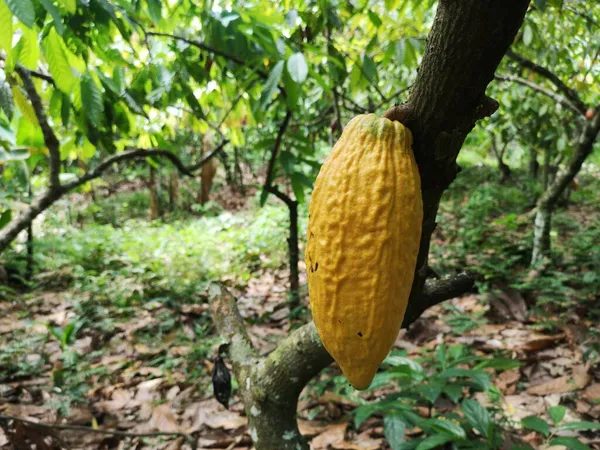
(363, 233)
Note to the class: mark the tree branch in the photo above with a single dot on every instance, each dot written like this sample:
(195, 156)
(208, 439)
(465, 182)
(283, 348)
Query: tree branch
(542, 90)
(585, 146)
(436, 291)
(230, 326)
(268, 187)
(142, 153)
(568, 92)
(42, 202)
(50, 138)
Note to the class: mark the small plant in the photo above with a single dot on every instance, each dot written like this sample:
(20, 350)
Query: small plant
(422, 383)
(551, 431)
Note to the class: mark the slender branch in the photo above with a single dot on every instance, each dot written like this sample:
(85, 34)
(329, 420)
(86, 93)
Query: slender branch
(339, 126)
(568, 92)
(355, 106)
(138, 153)
(198, 44)
(236, 100)
(585, 16)
(55, 426)
(542, 90)
(584, 148)
(35, 73)
(50, 138)
(321, 117)
(268, 186)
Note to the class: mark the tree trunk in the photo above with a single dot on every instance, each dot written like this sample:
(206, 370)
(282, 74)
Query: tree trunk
(534, 166)
(553, 192)
(154, 200)
(37, 206)
(207, 174)
(541, 233)
(173, 189)
(546, 169)
(293, 255)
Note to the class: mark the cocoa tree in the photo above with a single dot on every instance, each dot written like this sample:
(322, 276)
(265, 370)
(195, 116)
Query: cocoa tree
(467, 41)
(572, 100)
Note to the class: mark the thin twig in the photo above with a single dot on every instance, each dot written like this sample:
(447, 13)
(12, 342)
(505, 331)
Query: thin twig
(51, 426)
(548, 93)
(50, 138)
(137, 153)
(568, 92)
(274, 153)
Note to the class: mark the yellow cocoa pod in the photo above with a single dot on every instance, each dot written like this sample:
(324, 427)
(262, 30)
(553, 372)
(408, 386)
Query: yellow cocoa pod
(363, 232)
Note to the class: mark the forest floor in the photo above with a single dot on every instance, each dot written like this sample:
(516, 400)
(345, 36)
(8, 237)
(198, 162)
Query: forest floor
(114, 332)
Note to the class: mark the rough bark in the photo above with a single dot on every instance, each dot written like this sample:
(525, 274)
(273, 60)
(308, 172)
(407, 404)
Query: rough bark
(466, 44)
(547, 202)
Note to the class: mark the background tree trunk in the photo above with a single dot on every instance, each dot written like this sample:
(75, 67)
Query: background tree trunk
(174, 189)
(209, 169)
(155, 211)
(547, 202)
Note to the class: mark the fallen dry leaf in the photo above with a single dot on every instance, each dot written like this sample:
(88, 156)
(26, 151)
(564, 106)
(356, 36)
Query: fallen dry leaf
(310, 427)
(592, 393)
(361, 442)
(333, 435)
(210, 413)
(578, 380)
(164, 420)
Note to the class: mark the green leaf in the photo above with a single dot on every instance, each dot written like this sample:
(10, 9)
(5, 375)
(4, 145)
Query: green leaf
(24, 106)
(55, 13)
(498, 364)
(155, 10)
(17, 154)
(540, 4)
(570, 442)
(527, 34)
(292, 89)
(430, 391)
(394, 428)
(91, 99)
(6, 101)
(297, 67)
(391, 5)
(24, 11)
(447, 426)
(6, 30)
(374, 18)
(298, 186)
(58, 62)
(557, 413)
(271, 85)
(5, 218)
(336, 64)
(477, 416)
(30, 49)
(369, 68)
(536, 424)
(580, 426)
(70, 5)
(435, 441)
